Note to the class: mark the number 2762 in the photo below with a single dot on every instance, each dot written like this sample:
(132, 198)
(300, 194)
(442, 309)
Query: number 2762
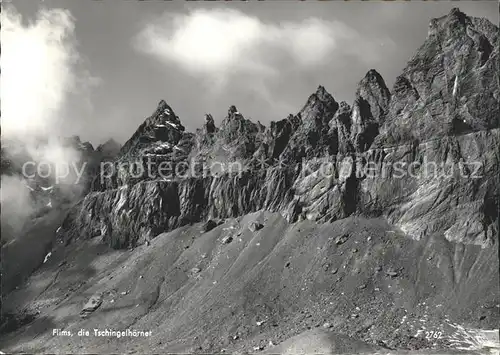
(433, 335)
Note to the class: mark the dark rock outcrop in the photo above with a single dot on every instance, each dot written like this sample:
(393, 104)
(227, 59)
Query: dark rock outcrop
(425, 156)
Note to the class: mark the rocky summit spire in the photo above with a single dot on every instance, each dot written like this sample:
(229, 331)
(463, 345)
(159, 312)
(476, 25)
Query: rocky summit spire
(162, 126)
(455, 13)
(233, 112)
(369, 110)
(319, 106)
(312, 137)
(373, 90)
(209, 125)
(165, 113)
(323, 95)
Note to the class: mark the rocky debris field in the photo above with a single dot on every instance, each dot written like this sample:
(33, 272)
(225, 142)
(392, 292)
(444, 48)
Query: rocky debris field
(199, 293)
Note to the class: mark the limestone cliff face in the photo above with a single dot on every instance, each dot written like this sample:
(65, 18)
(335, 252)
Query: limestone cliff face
(423, 155)
(444, 109)
(450, 86)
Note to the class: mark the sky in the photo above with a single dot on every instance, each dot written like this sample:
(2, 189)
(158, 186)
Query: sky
(97, 69)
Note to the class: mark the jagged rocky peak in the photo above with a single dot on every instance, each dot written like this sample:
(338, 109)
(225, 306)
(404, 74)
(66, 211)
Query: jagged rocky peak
(204, 137)
(233, 119)
(323, 95)
(163, 126)
(320, 107)
(374, 85)
(236, 139)
(457, 25)
(313, 137)
(165, 112)
(163, 116)
(233, 112)
(235, 125)
(373, 76)
(455, 20)
(449, 86)
(246, 139)
(373, 96)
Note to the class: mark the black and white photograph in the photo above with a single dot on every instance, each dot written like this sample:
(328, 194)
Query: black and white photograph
(249, 177)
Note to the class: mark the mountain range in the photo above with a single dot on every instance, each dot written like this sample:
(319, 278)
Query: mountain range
(343, 225)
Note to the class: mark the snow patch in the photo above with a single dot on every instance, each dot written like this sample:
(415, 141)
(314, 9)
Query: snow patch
(475, 339)
(165, 145)
(47, 257)
(455, 86)
(161, 147)
(172, 124)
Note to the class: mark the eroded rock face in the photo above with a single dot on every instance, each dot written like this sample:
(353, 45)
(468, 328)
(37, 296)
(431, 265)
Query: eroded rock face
(425, 156)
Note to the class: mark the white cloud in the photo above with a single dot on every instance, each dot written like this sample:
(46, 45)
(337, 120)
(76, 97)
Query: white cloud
(41, 69)
(214, 43)
(311, 41)
(39, 65)
(220, 43)
(206, 41)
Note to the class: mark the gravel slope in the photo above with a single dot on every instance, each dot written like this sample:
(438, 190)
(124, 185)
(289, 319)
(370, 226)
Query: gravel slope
(202, 292)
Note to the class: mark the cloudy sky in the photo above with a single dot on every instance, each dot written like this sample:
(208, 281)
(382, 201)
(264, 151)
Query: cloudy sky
(99, 68)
